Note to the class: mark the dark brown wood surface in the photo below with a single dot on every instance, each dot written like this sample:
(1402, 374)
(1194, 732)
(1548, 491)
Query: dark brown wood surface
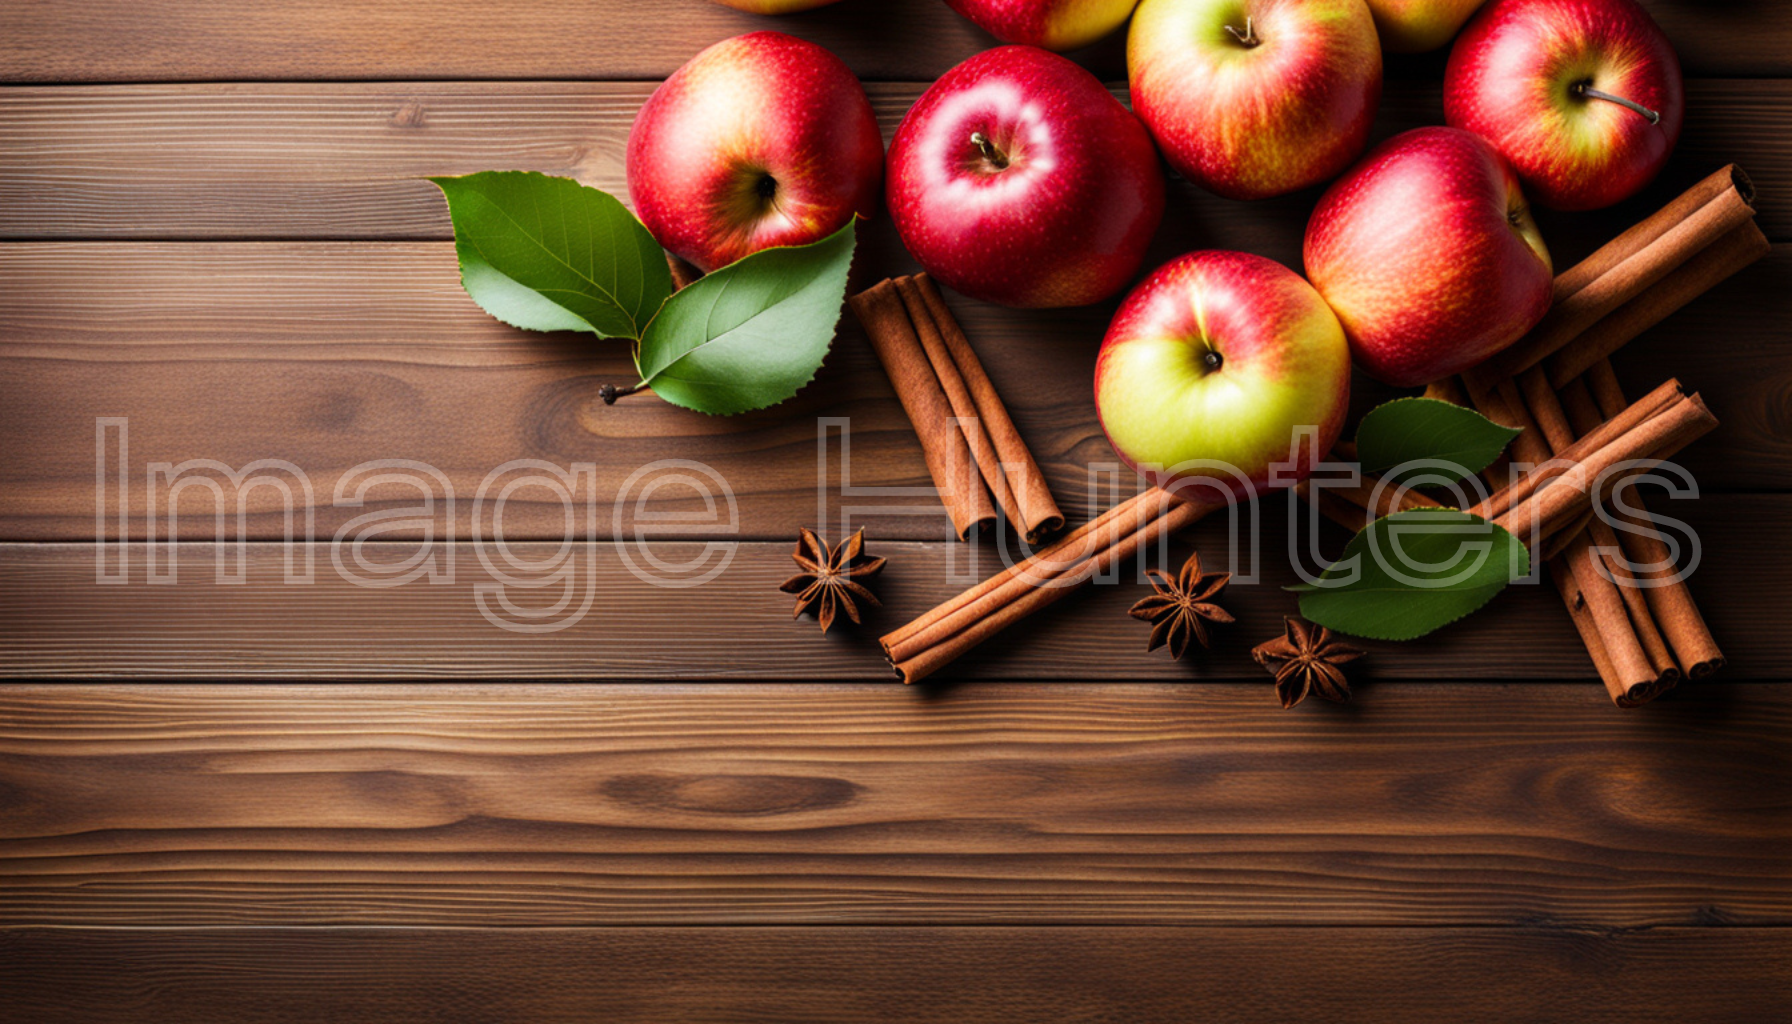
(906, 975)
(168, 40)
(56, 623)
(339, 160)
(329, 354)
(1049, 803)
(688, 806)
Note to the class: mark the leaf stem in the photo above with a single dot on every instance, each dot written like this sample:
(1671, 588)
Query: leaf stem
(610, 392)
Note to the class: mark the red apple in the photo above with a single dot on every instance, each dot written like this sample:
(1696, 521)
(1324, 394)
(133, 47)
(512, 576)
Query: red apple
(1415, 26)
(760, 140)
(1221, 357)
(1053, 24)
(1255, 98)
(775, 6)
(1018, 179)
(1428, 254)
(1583, 97)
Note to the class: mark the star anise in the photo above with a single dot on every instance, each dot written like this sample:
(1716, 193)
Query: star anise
(1304, 659)
(829, 582)
(1183, 606)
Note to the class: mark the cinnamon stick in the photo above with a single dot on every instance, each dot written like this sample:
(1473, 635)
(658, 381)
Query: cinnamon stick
(1035, 511)
(1041, 567)
(1625, 268)
(1671, 603)
(1624, 650)
(1727, 184)
(948, 456)
(1637, 412)
(938, 637)
(1559, 501)
(1356, 507)
(1638, 656)
(1334, 506)
(1742, 246)
(1582, 617)
(964, 409)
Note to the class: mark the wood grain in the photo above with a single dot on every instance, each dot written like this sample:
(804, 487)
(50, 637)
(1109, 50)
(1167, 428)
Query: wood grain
(329, 355)
(265, 277)
(56, 621)
(160, 40)
(347, 161)
(179, 806)
(912, 975)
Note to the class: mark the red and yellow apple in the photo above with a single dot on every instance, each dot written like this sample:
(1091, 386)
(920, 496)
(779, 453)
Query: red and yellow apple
(1255, 98)
(1582, 97)
(1416, 26)
(1428, 254)
(1053, 24)
(1212, 366)
(775, 6)
(760, 140)
(1017, 178)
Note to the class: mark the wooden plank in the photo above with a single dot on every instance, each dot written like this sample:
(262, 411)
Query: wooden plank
(56, 621)
(911, 975)
(341, 161)
(328, 355)
(201, 806)
(161, 40)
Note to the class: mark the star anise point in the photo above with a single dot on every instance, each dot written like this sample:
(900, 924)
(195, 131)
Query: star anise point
(1181, 606)
(1305, 659)
(829, 583)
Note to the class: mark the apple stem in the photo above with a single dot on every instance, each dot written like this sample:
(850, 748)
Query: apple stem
(610, 392)
(1583, 89)
(990, 151)
(1247, 38)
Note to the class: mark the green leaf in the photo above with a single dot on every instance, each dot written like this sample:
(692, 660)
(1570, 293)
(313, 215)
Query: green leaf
(1414, 572)
(549, 254)
(752, 333)
(1414, 429)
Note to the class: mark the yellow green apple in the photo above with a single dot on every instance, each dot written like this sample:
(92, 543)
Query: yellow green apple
(1213, 366)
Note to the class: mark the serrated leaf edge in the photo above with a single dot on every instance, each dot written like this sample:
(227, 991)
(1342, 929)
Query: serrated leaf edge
(639, 328)
(833, 328)
(1303, 589)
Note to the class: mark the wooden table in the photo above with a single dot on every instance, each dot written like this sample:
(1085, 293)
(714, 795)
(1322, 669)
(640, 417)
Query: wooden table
(270, 802)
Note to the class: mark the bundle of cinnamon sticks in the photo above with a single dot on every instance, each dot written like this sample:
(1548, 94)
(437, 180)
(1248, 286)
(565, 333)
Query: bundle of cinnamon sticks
(1557, 387)
(1633, 634)
(1556, 383)
(934, 640)
(1635, 281)
(974, 454)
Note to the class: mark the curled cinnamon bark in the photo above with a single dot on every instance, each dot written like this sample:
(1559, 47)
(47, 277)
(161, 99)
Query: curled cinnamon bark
(1669, 599)
(1638, 665)
(1625, 268)
(1033, 508)
(975, 455)
(940, 636)
(1560, 500)
(948, 456)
